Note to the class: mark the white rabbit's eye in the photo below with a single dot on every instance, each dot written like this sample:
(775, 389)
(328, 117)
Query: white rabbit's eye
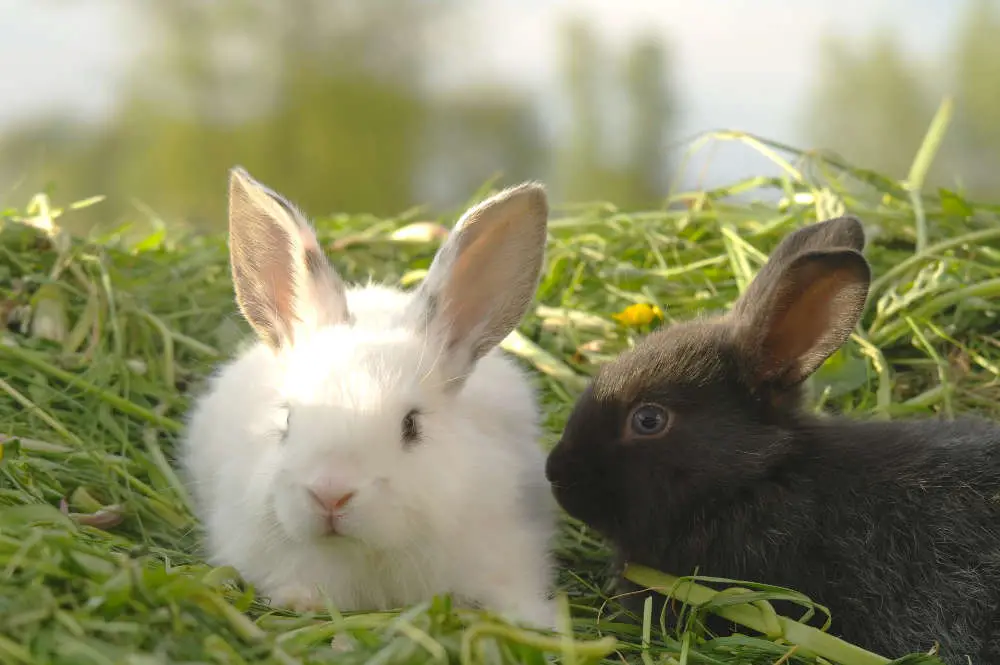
(411, 428)
(649, 420)
(287, 409)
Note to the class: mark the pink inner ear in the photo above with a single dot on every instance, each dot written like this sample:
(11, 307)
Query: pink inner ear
(277, 278)
(263, 270)
(803, 328)
(466, 293)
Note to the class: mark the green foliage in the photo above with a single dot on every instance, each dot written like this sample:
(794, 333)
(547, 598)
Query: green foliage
(107, 338)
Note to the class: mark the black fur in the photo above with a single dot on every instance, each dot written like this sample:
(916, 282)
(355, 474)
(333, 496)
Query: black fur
(894, 526)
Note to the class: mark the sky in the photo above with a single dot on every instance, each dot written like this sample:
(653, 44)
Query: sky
(743, 65)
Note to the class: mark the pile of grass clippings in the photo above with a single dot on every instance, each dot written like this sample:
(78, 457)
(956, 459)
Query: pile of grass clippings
(105, 340)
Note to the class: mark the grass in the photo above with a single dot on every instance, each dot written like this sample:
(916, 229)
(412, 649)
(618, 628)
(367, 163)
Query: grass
(107, 338)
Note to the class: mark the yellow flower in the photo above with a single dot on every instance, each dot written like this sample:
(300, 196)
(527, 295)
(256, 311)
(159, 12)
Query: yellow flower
(638, 315)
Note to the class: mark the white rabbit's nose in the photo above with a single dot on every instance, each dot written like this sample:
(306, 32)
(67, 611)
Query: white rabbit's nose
(332, 500)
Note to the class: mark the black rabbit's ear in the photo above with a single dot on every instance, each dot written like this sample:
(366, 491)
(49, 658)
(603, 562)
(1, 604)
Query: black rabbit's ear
(829, 234)
(803, 313)
(838, 233)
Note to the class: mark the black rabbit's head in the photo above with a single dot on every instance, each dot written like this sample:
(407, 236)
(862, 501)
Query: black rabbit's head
(707, 407)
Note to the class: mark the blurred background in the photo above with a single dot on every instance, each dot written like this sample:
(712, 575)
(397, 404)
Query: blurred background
(378, 105)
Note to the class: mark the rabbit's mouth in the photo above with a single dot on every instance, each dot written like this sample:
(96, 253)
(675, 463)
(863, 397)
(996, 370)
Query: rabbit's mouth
(336, 528)
(332, 526)
(336, 538)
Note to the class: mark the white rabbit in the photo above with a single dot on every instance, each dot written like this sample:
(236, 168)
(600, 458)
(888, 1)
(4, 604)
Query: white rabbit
(374, 447)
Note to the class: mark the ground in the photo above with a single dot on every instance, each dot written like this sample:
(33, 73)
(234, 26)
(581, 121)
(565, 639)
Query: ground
(106, 338)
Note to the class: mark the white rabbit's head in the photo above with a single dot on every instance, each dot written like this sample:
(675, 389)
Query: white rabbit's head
(362, 441)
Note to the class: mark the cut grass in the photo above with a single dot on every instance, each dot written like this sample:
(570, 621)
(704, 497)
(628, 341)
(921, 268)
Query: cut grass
(109, 339)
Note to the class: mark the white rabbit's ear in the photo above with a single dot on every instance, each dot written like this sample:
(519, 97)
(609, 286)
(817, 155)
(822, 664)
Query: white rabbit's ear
(281, 277)
(484, 277)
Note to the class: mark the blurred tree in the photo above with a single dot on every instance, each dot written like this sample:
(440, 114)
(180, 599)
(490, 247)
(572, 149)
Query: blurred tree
(587, 169)
(318, 98)
(479, 134)
(874, 106)
(324, 101)
(580, 175)
(869, 105)
(976, 72)
(651, 111)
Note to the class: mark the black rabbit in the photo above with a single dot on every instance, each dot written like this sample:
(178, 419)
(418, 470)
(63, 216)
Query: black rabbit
(692, 451)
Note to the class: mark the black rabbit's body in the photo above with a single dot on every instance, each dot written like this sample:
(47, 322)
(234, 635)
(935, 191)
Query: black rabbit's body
(901, 518)
(691, 452)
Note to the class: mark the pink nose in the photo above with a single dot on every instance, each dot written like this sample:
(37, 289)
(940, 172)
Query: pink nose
(332, 501)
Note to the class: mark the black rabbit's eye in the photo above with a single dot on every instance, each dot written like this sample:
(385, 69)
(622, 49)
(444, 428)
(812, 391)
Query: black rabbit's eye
(649, 420)
(411, 428)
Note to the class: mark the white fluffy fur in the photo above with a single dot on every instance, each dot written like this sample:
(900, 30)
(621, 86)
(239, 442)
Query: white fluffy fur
(466, 510)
